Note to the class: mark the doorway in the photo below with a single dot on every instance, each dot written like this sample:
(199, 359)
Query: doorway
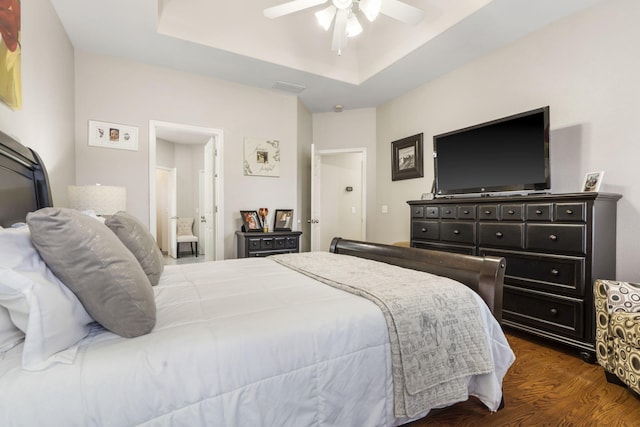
(338, 196)
(202, 199)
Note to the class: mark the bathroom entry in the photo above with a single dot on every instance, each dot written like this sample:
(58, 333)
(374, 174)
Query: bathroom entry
(192, 155)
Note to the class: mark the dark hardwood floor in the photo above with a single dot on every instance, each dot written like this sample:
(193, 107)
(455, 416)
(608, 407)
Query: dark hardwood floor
(548, 385)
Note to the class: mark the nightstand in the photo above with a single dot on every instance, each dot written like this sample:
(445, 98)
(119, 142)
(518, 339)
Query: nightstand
(257, 244)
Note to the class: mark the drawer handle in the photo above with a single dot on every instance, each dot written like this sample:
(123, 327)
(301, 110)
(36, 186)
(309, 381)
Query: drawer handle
(456, 231)
(448, 212)
(569, 212)
(538, 212)
(424, 229)
(555, 272)
(554, 311)
(553, 237)
(466, 212)
(510, 212)
(487, 212)
(499, 235)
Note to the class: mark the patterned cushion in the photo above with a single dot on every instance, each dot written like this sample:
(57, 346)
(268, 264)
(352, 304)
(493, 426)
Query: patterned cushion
(623, 296)
(626, 326)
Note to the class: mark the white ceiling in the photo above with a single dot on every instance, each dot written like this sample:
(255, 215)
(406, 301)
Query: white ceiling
(232, 40)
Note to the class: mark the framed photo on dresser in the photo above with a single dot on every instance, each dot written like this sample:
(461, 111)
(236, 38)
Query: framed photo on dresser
(283, 220)
(250, 221)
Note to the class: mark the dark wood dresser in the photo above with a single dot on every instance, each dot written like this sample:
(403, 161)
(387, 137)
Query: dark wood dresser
(253, 244)
(555, 247)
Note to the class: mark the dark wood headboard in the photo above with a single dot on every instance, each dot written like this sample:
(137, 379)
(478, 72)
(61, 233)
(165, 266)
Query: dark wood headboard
(24, 184)
(484, 275)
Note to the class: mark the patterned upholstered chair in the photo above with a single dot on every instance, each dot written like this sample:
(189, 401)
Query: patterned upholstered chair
(618, 331)
(185, 235)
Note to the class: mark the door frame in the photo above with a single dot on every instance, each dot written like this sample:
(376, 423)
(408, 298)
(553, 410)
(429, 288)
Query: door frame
(316, 179)
(218, 173)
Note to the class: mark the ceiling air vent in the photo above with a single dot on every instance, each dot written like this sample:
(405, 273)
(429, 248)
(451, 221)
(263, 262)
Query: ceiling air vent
(288, 87)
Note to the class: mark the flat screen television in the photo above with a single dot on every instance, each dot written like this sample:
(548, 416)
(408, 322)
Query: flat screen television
(506, 155)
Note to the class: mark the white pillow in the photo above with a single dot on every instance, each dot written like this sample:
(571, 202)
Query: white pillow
(39, 304)
(10, 336)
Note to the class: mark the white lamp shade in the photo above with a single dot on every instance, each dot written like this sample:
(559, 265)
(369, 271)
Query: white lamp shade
(325, 16)
(370, 8)
(102, 199)
(353, 26)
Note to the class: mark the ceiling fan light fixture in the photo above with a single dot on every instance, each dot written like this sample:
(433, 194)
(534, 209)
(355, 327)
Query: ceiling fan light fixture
(353, 25)
(325, 16)
(342, 4)
(370, 8)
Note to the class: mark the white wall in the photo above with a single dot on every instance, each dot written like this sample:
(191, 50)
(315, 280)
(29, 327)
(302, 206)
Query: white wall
(45, 122)
(585, 67)
(132, 93)
(351, 129)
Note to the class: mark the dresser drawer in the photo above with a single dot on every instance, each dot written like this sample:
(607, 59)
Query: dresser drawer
(488, 212)
(503, 235)
(291, 242)
(429, 230)
(512, 212)
(539, 212)
(267, 244)
(431, 211)
(570, 212)
(556, 238)
(448, 212)
(466, 212)
(253, 244)
(280, 243)
(559, 275)
(544, 311)
(417, 212)
(460, 232)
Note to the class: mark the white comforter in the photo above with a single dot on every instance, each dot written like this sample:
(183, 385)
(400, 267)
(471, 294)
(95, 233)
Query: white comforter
(243, 342)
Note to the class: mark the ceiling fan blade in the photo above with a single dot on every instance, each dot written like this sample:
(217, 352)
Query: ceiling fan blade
(402, 11)
(290, 7)
(340, 30)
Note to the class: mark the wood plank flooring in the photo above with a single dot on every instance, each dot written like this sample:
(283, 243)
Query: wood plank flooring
(548, 385)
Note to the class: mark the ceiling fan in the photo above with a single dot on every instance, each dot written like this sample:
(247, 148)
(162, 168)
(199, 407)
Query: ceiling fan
(346, 23)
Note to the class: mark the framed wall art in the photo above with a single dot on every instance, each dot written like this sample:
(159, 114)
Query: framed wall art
(112, 135)
(283, 220)
(250, 221)
(10, 55)
(261, 157)
(592, 181)
(406, 158)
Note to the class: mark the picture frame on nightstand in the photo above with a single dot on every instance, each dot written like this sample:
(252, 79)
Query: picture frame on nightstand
(250, 221)
(283, 220)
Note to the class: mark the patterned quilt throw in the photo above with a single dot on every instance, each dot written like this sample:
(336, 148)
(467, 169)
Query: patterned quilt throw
(436, 332)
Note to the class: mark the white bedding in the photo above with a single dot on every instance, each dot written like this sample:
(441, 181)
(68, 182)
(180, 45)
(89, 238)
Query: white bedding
(243, 342)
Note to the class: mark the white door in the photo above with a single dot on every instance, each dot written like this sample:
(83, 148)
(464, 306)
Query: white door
(206, 212)
(172, 196)
(338, 196)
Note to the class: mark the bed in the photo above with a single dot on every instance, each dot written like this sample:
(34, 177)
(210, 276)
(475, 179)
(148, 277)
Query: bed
(312, 339)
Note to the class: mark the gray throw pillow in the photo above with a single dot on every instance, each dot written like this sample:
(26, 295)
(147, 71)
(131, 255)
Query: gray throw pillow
(91, 261)
(140, 242)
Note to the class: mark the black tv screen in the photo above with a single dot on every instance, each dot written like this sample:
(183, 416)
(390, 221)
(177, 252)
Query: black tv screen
(504, 155)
